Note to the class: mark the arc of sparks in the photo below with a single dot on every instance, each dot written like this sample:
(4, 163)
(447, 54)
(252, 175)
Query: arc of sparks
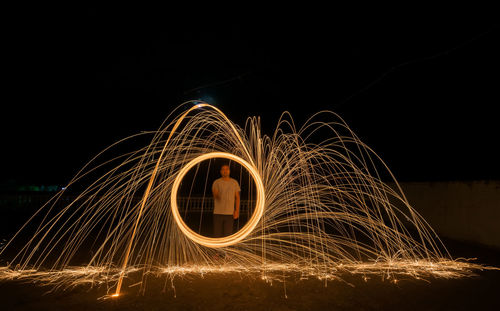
(322, 208)
(153, 177)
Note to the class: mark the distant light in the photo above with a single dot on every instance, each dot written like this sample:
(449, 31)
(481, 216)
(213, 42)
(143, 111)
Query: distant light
(207, 99)
(63, 188)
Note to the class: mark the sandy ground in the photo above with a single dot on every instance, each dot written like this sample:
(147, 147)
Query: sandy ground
(234, 291)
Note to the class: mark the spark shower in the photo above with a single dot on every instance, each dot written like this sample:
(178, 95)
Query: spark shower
(321, 208)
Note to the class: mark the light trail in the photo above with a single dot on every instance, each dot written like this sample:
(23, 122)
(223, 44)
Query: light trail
(321, 208)
(237, 236)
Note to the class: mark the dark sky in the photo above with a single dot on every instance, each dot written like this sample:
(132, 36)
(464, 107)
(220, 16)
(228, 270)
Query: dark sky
(421, 90)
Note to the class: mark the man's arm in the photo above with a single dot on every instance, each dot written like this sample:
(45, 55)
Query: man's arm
(215, 192)
(236, 213)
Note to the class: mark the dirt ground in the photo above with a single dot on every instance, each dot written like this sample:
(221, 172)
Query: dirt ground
(233, 291)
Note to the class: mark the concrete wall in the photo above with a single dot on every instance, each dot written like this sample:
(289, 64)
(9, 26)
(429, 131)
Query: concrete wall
(465, 211)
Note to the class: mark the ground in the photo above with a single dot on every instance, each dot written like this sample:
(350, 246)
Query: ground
(234, 291)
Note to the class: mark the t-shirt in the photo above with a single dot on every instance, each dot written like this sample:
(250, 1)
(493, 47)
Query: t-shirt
(227, 189)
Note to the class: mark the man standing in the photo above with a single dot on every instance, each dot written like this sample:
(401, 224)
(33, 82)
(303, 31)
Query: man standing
(226, 191)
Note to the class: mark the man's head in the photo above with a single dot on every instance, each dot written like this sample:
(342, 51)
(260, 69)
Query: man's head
(224, 170)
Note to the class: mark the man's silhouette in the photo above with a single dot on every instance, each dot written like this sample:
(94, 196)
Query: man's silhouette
(226, 191)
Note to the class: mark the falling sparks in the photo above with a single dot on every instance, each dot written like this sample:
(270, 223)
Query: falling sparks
(322, 210)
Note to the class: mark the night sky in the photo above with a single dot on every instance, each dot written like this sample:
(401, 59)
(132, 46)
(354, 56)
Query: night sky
(420, 90)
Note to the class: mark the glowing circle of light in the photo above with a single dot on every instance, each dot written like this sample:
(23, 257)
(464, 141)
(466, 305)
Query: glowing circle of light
(235, 237)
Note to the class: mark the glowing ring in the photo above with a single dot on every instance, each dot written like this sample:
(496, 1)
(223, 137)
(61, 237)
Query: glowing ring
(235, 237)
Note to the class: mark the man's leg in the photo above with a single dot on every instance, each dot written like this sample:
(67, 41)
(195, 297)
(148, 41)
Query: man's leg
(228, 225)
(218, 225)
